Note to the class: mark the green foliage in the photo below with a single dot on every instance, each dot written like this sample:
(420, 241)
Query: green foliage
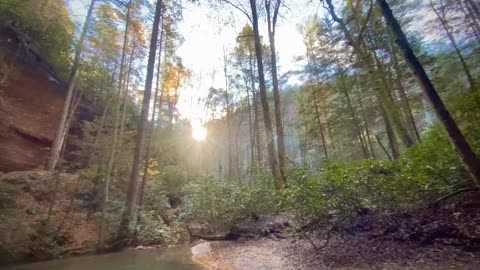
(424, 172)
(48, 28)
(8, 221)
(7, 194)
(47, 243)
(344, 188)
(17, 237)
(155, 226)
(174, 179)
(219, 203)
(466, 111)
(433, 163)
(155, 197)
(152, 230)
(22, 239)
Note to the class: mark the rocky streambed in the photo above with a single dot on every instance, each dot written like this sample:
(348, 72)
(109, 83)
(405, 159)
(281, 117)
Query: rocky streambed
(445, 237)
(284, 254)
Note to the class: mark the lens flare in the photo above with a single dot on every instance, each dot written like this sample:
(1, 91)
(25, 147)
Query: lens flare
(199, 133)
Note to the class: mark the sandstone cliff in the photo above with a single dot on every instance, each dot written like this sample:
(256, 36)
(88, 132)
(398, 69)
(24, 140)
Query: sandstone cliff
(31, 100)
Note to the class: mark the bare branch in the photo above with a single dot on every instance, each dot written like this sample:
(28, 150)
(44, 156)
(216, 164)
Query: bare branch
(360, 36)
(275, 12)
(240, 8)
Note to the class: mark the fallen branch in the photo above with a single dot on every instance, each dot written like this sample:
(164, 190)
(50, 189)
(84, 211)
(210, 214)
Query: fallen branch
(443, 198)
(217, 237)
(327, 240)
(228, 236)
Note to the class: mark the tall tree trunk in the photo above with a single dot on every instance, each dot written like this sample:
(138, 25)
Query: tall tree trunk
(391, 110)
(365, 120)
(111, 158)
(160, 105)
(374, 75)
(236, 157)
(344, 89)
(328, 127)
(443, 20)
(99, 131)
(152, 121)
(170, 115)
(231, 173)
(402, 91)
(279, 183)
(470, 17)
(315, 73)
(125, 96)
(59, 136)
(91, 161)
(256, 131)
(392, 140)
(475, 8)
(383, 147)
(319, 122)
(250, 126)
(256, 134)
(276, 94)
(128, 223)
(367, 129)
(73, 108)
(470, 159)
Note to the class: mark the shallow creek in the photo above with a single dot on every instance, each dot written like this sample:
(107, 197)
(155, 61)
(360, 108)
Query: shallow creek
(175, 258)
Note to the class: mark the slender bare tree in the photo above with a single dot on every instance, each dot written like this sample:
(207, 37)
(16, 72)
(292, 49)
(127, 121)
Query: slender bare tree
(128, 223)
(470, 159)
(61, 132)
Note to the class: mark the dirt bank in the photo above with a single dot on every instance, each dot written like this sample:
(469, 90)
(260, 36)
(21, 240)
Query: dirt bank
(44, 217)
(445, 236)
(293, 254)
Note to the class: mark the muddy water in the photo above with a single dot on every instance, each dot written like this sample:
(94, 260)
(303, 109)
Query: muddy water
(178, 258)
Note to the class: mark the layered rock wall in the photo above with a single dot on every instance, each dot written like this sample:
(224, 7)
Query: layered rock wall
(31, 101)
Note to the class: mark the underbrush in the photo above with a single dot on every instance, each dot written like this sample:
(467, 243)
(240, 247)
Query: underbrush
(424, 173)
(341, 190)
(221, 204)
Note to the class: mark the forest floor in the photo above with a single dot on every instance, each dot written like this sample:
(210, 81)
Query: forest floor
(44, 217)
(441, 237)
(292, 254)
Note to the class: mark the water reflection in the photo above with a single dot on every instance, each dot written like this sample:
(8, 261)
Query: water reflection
(178, 258)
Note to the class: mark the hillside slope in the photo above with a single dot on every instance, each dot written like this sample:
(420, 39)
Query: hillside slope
(46, 215)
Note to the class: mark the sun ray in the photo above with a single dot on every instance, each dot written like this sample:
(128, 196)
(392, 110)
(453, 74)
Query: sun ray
(199, 132)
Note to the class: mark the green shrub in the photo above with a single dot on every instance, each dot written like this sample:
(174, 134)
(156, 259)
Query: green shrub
(174, 179)
(220, 204)
(433, 164)
(423, 173)
(345, 188)
(50, 33)
(152, 230)
(7, 194)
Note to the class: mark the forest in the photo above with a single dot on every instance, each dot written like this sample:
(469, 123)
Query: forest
(234, 134)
